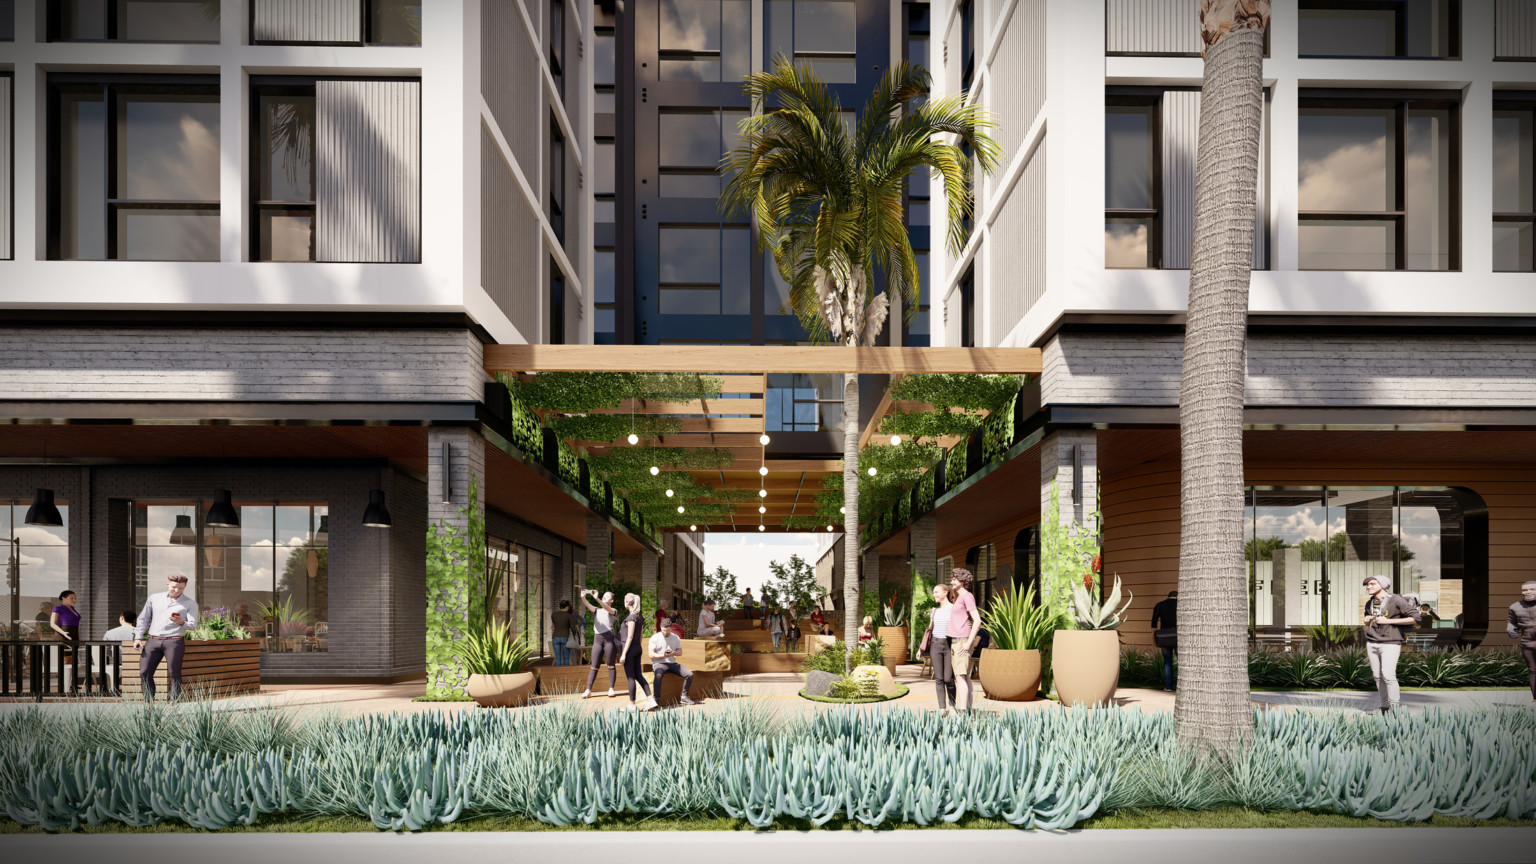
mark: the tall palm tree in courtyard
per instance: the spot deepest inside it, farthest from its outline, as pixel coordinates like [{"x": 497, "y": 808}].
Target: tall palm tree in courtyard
[
  {"x": 1212, "y": 708},
  {"x": 827, "y": 200}
]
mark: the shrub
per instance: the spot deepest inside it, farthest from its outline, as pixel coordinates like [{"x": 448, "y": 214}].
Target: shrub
[
  {"x": 493, "y": 650},
  {"x": 1016, "y": 621}
]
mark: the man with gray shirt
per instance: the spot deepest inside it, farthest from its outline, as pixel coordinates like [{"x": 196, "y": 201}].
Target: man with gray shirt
[
  {"x": 166, "y": 617},
  {"x": 1522, "y": 626},
  {"x": 1385, "y": 616}
]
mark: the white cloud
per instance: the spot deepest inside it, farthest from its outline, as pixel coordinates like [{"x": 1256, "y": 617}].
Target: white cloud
[{"x": 1353, "y": 177}]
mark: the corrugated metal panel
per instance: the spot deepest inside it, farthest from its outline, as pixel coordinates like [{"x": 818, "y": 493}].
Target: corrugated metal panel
[
  {"x": 509, "y": 241},
  {"x": 368, "y": 171},
  {"x": 1180, "y": 123},
  {"x": 1152, "y": 27},
  {"x": 308, "y": 21},
  {"x": 1018, "y": 75},
  {"x": 1018, "y": 243},
  {"x": 5, "y": 167},
  {"x": 954, "y": 305},
  {"x": 509, "y": 80},
  {"x": 952, "y": 67},
  {"x": 1514, "y": 30}
]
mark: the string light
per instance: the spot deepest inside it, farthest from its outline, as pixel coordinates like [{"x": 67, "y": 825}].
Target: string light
[
  {"x": 763, "y": 470},
  {"x": 762, "y": 493},
  {"x": 693, "y": 527},
  {"x": 872, "y": 471},
  {"x": 762, "y": 509},
  {"x": 895, "y": 440},
  {"x": 633, "y": 438},
  {"x": 763, "y": 439},
  {"x": 669, "y": 493},
  {"x": 829, "y": 528},
  {"x": 762, "y": 527},
  {"x": 655, "y": 470},
  {"x": 679, "y": 508},
  {"x": 843, "y": 510}
]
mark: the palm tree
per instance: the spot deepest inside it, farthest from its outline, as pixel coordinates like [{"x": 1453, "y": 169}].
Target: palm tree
[
  {"x": 1212, "y": 709},
  {"x": 827, "y": 199}
]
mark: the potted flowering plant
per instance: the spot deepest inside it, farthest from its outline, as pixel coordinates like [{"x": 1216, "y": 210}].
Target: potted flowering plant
[
  {"x": 1086, "y": 660},
  {"x": 893, "y": 633}
]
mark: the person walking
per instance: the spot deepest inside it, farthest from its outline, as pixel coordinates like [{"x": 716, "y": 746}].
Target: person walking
[
  {"x": 936, "y": 645},
  {"x": 1522, "y": 626},
  {"x": 964, "y": 622},
  {"x": 1165, "y": 634},
  {"x": 708, "y": 626},
  {"x": 1386, "y": 614},
  {"x": 665, "y": 648},
  {"x": 164, "y": 619},
  {"x": 630, "y": 638},
  {"x": 775, "y": 619},
  {"x": 605, "y": 643},
  {"x": 560, "y": 632}
]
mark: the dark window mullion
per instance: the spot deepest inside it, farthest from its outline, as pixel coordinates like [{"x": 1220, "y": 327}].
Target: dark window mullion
[
  {"x": 1401, "y": 232},
  {"x": 109, "y": 127}
]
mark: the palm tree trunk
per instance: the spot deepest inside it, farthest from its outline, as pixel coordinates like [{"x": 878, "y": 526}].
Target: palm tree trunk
[
  {"x": 851, "y": 605},
  {"x": 1212, "y": 708}
]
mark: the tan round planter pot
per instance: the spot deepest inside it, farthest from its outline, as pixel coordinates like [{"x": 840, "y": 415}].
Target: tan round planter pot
[
  {"x": 1086, "y": 664},
  {"x": 501, "y": 691},
  {"x": 895, "y": 641},
  {"x": 1010, "y": 675}
]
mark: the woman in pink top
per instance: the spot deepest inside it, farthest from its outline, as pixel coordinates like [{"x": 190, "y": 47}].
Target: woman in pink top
[{"x": 964, "y": 621}]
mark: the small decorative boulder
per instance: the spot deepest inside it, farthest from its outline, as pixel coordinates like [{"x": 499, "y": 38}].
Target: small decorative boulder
[
  {"x": 885, "y": 682},
  {"x": 819, "y": 683}
]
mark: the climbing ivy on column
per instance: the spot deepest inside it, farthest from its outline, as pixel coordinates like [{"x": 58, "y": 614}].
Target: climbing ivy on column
[{"x": 455, "y": 576}]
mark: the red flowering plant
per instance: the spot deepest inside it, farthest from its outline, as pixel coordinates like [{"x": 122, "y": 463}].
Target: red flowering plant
[
  {"x": 895, "y": 616},
  {"x": 1093, "y": 569}
]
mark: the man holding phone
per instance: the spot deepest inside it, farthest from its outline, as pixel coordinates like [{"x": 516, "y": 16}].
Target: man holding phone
[
  {"x": 665, "y": 648},
  {"x": 166, "y": 617}
]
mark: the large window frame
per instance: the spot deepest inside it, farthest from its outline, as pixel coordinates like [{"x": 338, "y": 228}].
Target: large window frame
[
  {"x": 827, "y": 62},
  {"x": 556, "y": 180},
  {"x": 264, "y": 92},
  {"x": 20, "y": 621},
  {"x": 1397, "y": 9},
  {"x": 718, "y": 286},
  {"x": 111, "y": 15},
  {"x": 1402, "y": 103},
  {"x": 201, "y": 88},
  {"x": 554, "y": 50},
  {"x": 1151, "y": 106},
  {"x": 1520, "y": 103},
  {"x": 730, "y": 61}
]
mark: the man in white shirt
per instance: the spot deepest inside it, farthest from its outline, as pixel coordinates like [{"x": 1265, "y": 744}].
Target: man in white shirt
[
  {"x": 707, "y": 625},
  {"x": 166, "y": 617},
  {"x": 124, "y": 629},
  {"x": 665, "y": 648}
]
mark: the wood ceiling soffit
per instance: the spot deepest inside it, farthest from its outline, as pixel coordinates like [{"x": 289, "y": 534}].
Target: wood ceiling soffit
[{"x": 760, "y": 359}]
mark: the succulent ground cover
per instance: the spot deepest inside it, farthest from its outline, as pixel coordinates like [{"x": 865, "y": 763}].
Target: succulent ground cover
[{"x": 556, "y": 765}]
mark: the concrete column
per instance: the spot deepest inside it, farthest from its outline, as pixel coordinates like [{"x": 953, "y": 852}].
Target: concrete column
[
  {"x": 1058, "y": 464},
  {"x": 650, "y": 584},
  {"x": 599, "y": 542},
  {"x": 925, "y": 536},
  {"x": 448, "y": 508}
]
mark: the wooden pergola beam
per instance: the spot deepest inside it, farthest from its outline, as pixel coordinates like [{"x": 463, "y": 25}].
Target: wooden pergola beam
[{"x": 760, "y": 359}]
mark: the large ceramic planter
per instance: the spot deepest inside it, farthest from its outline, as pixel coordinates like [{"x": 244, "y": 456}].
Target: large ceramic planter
[
  {"x": 1086, "y": 665},
  {"x": 1010, "y": 675},
  {"x": 501, "y": 691},
  {"x": 894, "y": 640}
]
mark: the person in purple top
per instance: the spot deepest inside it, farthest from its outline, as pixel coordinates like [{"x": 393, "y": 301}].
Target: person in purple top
[{"x": 65, "y": 621}]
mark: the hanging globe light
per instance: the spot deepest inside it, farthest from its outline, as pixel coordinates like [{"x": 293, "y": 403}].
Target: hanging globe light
[
  {"x": 843, "y": 510},
  {"x": 763, "y": 470},
  {"x": 763, "y": 439},
  {"x": 633, "y": 438},
  {"x": 762, "y": 509},
  {"x": 895, "y": 440},
  {"x": 655, "y": 470},
  {"x": 679, "y": 508},
  {"x": 762, "y": 493},
  {"x": 669, "y": 493},
  {"x": 693, "y": 527},
  {"x": 829, "y": 528},
  {"x": 762, "y": 527},
  {"x": 872, "y": 471}
]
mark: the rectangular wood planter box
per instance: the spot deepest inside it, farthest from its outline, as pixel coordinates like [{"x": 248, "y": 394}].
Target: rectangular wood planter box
[
  {"x": 755, "y": 663},
  {"x": 210, "y": 669},
  {"x": 570, "y": 680}
]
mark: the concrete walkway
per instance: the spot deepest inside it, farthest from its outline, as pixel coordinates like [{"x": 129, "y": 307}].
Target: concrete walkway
[{"x": 1193, "y": 846}]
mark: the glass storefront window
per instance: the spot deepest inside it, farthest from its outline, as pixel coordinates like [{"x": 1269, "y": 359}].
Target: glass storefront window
[
  {"x": 36, "y": 561},
  {"x": 270, "y": 575},
  {"x": 525, "y": 598}
]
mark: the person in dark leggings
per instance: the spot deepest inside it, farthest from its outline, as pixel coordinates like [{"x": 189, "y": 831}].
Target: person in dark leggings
[
  {"x": 936, "y": 643},
  {"x": 1522, "y": 626},
  {"x": 605, "y": 643},
  {"x": 630, "y": 639}
]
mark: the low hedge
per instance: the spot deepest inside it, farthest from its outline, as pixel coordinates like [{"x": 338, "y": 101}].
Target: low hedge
[
  {"x": 1347, "y": 668},
  {"x": 901, "y": 690}
]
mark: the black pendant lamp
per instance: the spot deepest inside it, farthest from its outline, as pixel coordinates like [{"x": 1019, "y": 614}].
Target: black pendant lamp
[
  {"x": 377, "y": 515},
  {"x": 323, "y": 533},
  {"x": 182, "y": 534},
  {"x": 223, "y": 513},
  {"x": 43, "y": 512}
]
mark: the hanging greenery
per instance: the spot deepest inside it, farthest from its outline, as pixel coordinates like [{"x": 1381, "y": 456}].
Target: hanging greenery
[
  {"x": 454, "y": 596},
  {"x": 580, "y": 392},
  {"x": 930, "y": 424},
  {"x": 968, "y": 392},
  {"x": 613, "y": 427},
  {"x": 623, "y": 461}
]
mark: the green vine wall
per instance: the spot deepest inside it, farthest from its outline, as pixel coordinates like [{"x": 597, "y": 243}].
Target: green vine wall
[
  {"x": 1066, "y": 552},
  {"x": 455, "y": 577}
]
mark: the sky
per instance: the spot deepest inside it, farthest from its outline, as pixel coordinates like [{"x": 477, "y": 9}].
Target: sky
[{"x": 747, "y": 555}]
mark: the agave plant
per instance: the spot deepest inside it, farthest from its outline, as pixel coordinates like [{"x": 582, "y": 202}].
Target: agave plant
[
  {"x": 1017, "y": 621},
  {"x": 895, "y": 615},
  {"x": 1090, "y": 614},
  {"x": 494, "y": 650}
]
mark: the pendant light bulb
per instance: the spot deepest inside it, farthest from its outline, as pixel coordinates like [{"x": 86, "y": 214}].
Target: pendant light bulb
[
  {"x": 762, "y": 493},
  {"x": 762, "y": 509},
  {"x": 762, "y": 470},
  {"x": 829, "y": 529},
  {"x": 763, "y": 439},
  {"x": 679, "y": 508},
  {"x": 633, "y": 438},
  {"x": 670, "y": 493},
  {"x": 655, "y": 470},
  {"x": 872, "y": 471},
  {"x": 762, "y": 527},
  {"x": 895, "y": 440},
  {"x": 693, "y": 527},
  {"x": 843, "y": 510}
]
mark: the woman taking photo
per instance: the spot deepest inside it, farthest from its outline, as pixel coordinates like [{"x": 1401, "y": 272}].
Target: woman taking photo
[
  {"x": 936, "y": 646},
  {"x": 605, "y": 644},
  {"x": 964, "y": 621},
  {"x": 630, "y": 638}
]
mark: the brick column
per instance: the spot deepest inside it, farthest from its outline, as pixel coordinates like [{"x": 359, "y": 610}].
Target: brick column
[
  {"x": 448, "y": 507},
  {"x": 1056, "y": 466},
  {"x": 869, "y": 564},
  {"x": 925, "y": 536},
  {"x": 650, "y": 584},
  {"x": 599, "y": 542}
]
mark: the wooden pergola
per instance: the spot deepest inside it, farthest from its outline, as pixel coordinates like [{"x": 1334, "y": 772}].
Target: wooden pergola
[{"x": 735, "y": 421}]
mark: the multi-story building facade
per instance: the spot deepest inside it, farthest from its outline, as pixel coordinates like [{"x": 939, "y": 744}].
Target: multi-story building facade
[
  {"x": 250, "y": 254},
  {"x": 1390, "y": 357}
]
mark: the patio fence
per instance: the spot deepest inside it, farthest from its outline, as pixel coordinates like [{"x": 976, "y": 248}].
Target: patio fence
[{"x": 52, "y": 668}]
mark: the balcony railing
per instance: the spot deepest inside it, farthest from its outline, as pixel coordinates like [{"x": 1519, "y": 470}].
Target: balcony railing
[{"x": 47, "y": 668}]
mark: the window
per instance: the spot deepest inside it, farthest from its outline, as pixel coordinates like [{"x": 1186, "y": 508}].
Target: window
[
  {"x": 821, "y": 32},
  {"x": 705, "y": 40},
  {"x": 604, "y": 282},
  {"x": 556, "y": 304},
  {"x": 1424, "y": 29},
  {"x": 967, "y": 44},
  {"x": 1375, "y": 184},
  {"x": 603, "y": 203},
  {"x": 1309, "y": 549},
  {"x": 36, "y": 563},
  {"x": 692, "y": 144},
  {"x": 134, "y": 169},
  {"x": 603, "y": 65},
  {"x": 917, "y": 331},
  {"x": 7, "y": 20},
  {"x": 283, "y": 168},
  {"x": 271, "y": 574},
  {"x": 705, "y": 270},
  {"x": 1131, "y": 237},
  {"x": 968, "y": 309},
  {"x": 917, "y": 34},
  {"x": 555, "y": 180},
  {"x": 1514, "y": 186},
  {"x": 525, "y": 599},
  {"x": 393, "y": 22},
  {"x": 555, "y": 48},
  {"x": 803, "y": 403},
  {"x": 133, "y": 20}
]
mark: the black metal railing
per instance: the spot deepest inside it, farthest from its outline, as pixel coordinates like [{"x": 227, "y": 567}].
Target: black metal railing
[{"x": 57, "y": 668}]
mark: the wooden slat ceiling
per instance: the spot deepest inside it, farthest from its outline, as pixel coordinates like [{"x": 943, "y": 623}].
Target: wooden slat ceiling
[{"x": 760, "y": 359}]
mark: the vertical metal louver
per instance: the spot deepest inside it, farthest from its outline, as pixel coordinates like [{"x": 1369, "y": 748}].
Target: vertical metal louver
[
  {"x": 307, "y": 21},
  {"x": 368, "y": 171},
  {"x": 5, "y": 167},
  {"x": 1180, "y": 123},
  {"x": 1514, "y": 30},
  {"x": 1169, "y": 27}
]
